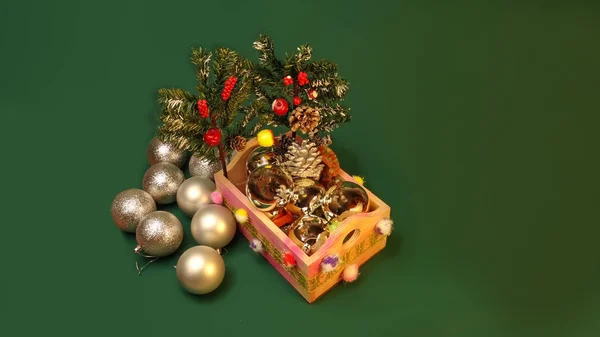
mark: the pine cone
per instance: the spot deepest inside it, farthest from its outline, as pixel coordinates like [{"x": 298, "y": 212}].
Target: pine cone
[
  {"x": 238, "y": 143},
  {"x": 305, "y": 119},
  {"x": 303, "y": 160},
  {"x": 284, "y": 143}
]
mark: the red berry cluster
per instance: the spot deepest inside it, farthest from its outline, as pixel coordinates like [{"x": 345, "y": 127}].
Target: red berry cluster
[
  {"x": 229, "y": 84},
  {"x": 302, "y": 78},
  {"x": 297, "y": 100},
  {"x": 212, "y": 137},
  {"x": 288, "y": 80},
  {"x": 203, "y": 108}
]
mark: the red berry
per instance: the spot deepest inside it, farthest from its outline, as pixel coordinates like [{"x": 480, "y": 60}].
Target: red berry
[
  {"x": 297, "y": 100},
  {"x": 203, "y": 108},
  {"x": 212, "y": 137},
  {"x": 228, "y": 87},
  {"x": 302, "y": 78},
  {"x": 280, "y": 107},
  {"x": 288, "y": 80}
]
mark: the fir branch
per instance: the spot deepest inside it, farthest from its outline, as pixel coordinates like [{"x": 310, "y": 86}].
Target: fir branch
[
  {"x": 333, "y": 116},
  {"x": 266, "y": 48},
  {"x": 303, "y": 55},
  {"x": 201, "y": 59}
]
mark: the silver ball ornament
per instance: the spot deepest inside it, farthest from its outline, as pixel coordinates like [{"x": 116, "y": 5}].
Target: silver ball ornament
[
  {"x": 194, "y": 193},
  {"x": 200, "y": 270},
  {"x": 214, "y": 226},
  {"x": 159, "y": 234},
  {"x": 162, "y": 152},
  {"x": 161, "y": 181},
  {"x": 129, "y": 207},
  {"x": 201, "y": 167}
]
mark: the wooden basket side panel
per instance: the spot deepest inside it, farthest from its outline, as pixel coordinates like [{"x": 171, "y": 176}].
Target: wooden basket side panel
[
  {"x": 327, "y": 281},
  {"x": 360, "y": 228},
  {"x": 288, "y": 276}
]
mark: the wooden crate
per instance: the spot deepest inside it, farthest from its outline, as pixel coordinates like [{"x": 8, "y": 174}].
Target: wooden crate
[{"x": 307, "y": 276}]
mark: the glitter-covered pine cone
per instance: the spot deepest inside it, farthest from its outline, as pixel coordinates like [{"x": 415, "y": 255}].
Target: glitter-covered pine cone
[
  {"x": 303, "y": 160},
  {"x": 305, "y": 119}
]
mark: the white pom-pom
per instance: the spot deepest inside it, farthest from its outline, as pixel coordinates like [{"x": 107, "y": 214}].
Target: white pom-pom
[
  {"x": 350, "y": 273},
  {"x": 256, "y": 245},
  {"x": 384, "y": 227}
]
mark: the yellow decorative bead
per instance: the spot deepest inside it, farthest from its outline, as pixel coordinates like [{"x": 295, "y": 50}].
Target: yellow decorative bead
[
  {"x": 265, "y": 138},
  {"x": 359, "y": 180}
]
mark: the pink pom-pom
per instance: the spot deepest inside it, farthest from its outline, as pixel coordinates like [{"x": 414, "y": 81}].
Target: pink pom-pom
[
  {"x": 350, "y": 273},
  {"x": 217, "y": 197}
]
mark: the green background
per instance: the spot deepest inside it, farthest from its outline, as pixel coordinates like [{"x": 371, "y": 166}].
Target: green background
[{"x": 476, "y": 122}]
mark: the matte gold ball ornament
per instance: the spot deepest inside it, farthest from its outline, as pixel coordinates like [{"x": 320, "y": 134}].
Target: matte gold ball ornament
[
  {"x": 162, "y": 152},
  {"x": 200, "y": 270},
  {"x": 129, "y": 207},
  {"x": 158, "y": 234},
  {"x": 195, "y": 193},
  {"x": 161, "y": 181},
  {"x": 214, "y": 226}
]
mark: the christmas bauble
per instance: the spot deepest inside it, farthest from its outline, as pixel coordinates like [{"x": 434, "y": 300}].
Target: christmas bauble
[
  {"x": 259, "y": 157},
  {"x": 345, "y": 196},
  {"x": 309, "y": 233},
  {"x": 161, "y": 152},
  {"x": 214, "y": 226},
  {"x": 161, "y": 181},
  {"x": 200, "y": 270},
  {"x": 202, "y": 167},
  {"x": 159, "y": 234},
  {"x": 280, "y": 106},
  {"x": 307, "y": 198},
  {"x": 194, "y": 193},
  {"x": 129, "y": 207},
  {"x": 212, "y": 137},
  {"x": 266, "y": 184}
]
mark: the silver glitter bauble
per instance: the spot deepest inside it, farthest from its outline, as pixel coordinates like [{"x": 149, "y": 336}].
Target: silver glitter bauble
[
  {"x": 158, "y": 234},
  {"x": 200, "y": 270},
  {"x": 201, "y": 167},
  {"x": 162, "y": 152},
  {"x": 343, "y": 197},
  {"x": 129, "y": 207},
  {"x": 259, "y": 157},
  {"x": 194, "y": 193},
  {"x": 214, "y": 226},
  {"x": 161, "y": 181},
  {"x": 267, "y": 185}
]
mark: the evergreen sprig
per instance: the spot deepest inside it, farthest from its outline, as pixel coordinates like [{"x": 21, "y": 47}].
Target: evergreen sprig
[
  {"x": 181, "y": 122},
  {"x": 323, "y": 75}
]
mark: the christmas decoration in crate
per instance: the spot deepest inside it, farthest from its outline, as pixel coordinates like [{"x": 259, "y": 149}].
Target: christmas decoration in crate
[{"x": 314, "y": 223}]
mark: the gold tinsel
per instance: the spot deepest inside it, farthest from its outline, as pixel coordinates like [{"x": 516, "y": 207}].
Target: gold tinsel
[
  {"x": 305, "y": 119},
  {"x": 238, "y": 143}
]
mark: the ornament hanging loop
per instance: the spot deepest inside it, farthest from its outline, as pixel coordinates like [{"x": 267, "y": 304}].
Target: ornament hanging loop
[{"x": 138, "y": 250}]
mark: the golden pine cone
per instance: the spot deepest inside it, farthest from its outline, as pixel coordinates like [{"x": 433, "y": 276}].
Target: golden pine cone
[
  {"x": 305, "y": 119},
  {"x": 238, "y": 143}
]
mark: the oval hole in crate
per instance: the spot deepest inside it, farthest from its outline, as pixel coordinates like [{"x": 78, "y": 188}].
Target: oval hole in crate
[{"x": 351, "y": 238}]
